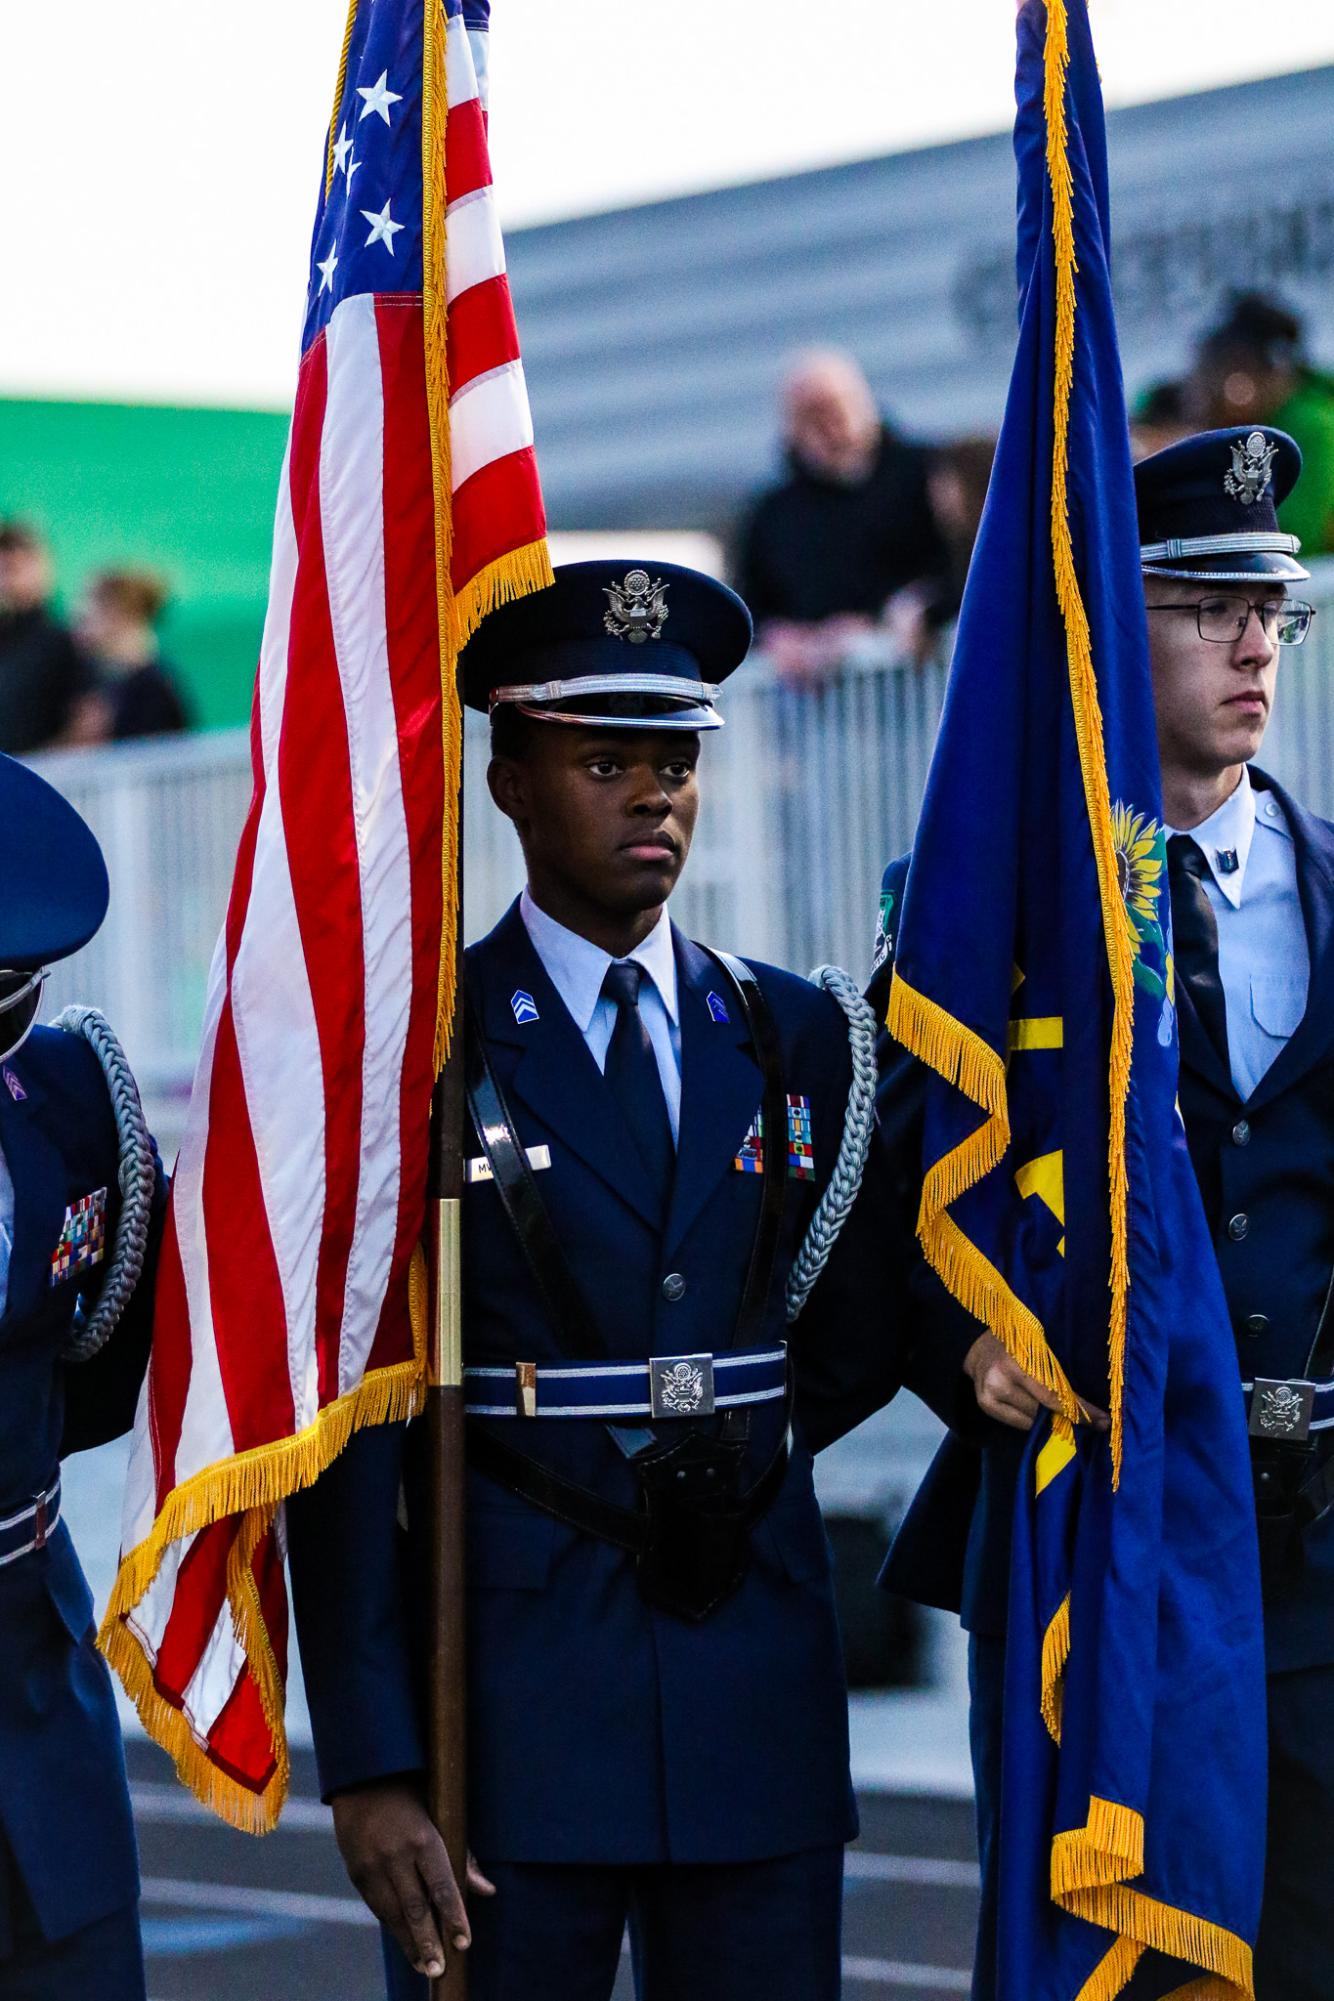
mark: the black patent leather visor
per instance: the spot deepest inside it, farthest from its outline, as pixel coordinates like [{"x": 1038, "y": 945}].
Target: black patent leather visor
[{"x": 20, "y": 998}]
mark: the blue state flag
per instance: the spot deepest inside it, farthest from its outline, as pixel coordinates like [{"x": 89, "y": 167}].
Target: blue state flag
[{"x": 1034, "y": 977}]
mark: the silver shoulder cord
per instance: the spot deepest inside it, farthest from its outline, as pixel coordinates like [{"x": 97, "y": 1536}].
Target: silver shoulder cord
[
  {"x": 136, "y": 1176},
  {"x": 859, "y": 1123}
]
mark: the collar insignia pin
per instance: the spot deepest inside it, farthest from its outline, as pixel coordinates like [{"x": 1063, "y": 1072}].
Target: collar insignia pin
[
  {"x": 1247, "y": 478},
  {"x": 524, "y": 1006},
  {"x": 637, "y": 609},
  {"x": 718, "y": 1008},
  {"x": 1227, "y": 861},
  {"x": 16, "y": 1090}
]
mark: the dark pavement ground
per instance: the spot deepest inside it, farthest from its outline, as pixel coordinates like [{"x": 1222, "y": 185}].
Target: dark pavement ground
[{"x": 229, "y": 1918}]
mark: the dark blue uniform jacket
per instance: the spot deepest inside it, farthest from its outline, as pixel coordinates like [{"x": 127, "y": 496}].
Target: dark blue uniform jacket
[
  {"x": 64, "y": 1808},
  {"x": 602, "y": 1730},
  {"x": 1270, "y": 1161}
]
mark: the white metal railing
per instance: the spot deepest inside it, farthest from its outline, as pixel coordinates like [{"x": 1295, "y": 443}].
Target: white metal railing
[{"x": 806, "y": 796}]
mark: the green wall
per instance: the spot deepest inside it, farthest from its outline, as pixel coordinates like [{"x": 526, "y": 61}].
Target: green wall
[{"x": 190, "y": 492}]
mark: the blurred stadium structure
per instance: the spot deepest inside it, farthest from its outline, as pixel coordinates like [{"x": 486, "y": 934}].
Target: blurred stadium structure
[{"x": 654, "y": 336}]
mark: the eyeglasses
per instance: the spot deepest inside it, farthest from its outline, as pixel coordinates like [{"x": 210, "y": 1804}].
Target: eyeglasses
[
  {"x": 20, "y": 998},
  {"x": 1224, "y": 619}
]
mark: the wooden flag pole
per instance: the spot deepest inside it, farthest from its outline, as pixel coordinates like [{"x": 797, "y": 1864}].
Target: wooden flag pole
[{"x": 446, "y": 1447}]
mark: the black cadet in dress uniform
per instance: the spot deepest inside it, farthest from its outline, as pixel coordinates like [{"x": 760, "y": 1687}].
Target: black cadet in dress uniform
[
  {"x": 657, "y": 1713},
  {"x": 1252, "y": 890}
]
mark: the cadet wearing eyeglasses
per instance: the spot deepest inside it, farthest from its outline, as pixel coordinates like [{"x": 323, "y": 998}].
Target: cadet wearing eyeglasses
[{"x": 1252, "y": 891}]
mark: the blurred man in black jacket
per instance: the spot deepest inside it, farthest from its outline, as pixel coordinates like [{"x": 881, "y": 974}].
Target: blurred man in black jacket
[
  {"x": 820, "y": 554},
  {"x": 41, "y": 672}
]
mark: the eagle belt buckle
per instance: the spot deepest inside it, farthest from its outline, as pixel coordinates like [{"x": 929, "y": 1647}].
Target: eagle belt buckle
[
  {"x": 1282, "y": 1410},
  {"x": 681, "y": 1385}
]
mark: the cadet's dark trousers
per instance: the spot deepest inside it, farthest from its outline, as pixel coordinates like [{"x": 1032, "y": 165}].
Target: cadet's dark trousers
[
  {"x": 1294, "y": 1958},
  {"x": 103, "y": 1959},
  {"x": 740, "y": 1931}
]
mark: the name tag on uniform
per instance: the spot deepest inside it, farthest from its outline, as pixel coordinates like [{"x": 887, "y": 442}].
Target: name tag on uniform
[
  {"x": 480, "y": 1169},
  {"x": 83, "y": 1239},
  {"x": 800, "y": 1145}
]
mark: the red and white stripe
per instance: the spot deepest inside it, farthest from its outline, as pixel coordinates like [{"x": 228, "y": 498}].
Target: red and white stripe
[
  {"x": 300, "y": 1186},
  {"x": 493, "y": 470},
  {"x": 300, "y": 1191}
]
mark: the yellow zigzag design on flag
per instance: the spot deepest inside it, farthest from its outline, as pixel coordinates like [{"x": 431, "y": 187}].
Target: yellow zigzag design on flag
[
  {"x": 1089, "y": 1865},
  {"x": 1045, "y": 1178}
]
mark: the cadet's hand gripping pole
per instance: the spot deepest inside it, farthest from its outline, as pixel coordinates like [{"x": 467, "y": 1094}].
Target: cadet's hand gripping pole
[{"x": 445, "y": 1436}]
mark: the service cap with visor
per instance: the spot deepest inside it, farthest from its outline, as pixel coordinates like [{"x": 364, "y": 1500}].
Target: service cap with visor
[
  {"x": 1208, "y": 508},
  {"x": 54, "y": 893},
  {"x": 611, "y": 645}
]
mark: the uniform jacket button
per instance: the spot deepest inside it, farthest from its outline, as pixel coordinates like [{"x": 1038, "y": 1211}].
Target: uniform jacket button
[
  {"x": 673, "y": 1287},
  {"x": 1238, "y": 1227},
  {"x": 1257, "y": 1324},
  {"x": 1241, "y": 1133}
]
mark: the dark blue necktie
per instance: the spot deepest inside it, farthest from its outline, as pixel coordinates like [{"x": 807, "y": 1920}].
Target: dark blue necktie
[
  {"x": 632, "y": 1072},
  {"x": 1195, "y": 937}
]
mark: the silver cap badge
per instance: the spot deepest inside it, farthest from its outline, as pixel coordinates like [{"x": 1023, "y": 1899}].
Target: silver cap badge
[
  {"x": 1247, "y": 478},
  {"x": 636, "y": 609}
]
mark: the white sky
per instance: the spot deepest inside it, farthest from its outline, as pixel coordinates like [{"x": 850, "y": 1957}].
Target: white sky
[{"x": 161, "y": 156}]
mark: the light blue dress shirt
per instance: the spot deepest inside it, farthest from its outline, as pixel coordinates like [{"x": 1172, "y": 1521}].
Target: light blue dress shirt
[
  {"x": 1263, "y": 959},
  {"x": 576, "y": 968}
]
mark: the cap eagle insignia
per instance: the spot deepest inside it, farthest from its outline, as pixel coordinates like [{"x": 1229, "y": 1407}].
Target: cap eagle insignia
[
  {"x": 637, "y": 608},
  {"x": 1247, "y": 479}
]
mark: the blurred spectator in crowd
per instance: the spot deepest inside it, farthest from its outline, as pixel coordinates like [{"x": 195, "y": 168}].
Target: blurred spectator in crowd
[
  {"x": 820, "y": 554},
  {"x": 1158, "y": 419},
  {"x": 958, "y": 475},
  {"x": 1252, "y": 369},
  {"x": 41, "y": 674},
  {"x": 134, "y": 692}
]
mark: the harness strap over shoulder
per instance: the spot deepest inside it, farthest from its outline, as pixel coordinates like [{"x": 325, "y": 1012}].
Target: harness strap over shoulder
[
  {"x": 530, "y": 1218},
  {"x": 522, "y": 1200}
]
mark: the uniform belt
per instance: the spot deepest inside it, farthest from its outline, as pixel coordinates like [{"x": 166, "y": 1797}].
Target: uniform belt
[
  {"x": 31, "y": 1528},
  {"x": 1289, "y": 1409},
  {"x": 665, "y": 1386}
]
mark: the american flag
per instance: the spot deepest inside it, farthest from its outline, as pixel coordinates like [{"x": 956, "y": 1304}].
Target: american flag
[{"x": 289, "y": 1306}]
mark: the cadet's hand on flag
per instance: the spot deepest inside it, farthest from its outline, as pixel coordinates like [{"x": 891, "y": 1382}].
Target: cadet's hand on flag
[
  {"x": 1005, "y": 1392},
  {"x": 397, "y": 1861}
]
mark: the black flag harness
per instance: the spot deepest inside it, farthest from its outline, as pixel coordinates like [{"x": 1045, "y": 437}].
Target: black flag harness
[
  {"x": 1291, "y": 1424},
  {"x": 690, "y": 1533}
]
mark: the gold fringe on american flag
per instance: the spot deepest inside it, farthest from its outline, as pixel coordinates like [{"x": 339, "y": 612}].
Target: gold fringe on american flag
[{"x": 290, "y": 1302}]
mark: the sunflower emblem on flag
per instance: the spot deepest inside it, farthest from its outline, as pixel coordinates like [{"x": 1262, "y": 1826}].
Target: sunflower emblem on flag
[{"x": 1141, "y": 858}]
